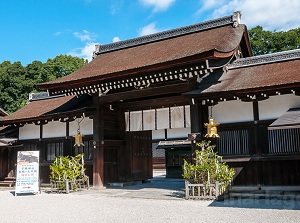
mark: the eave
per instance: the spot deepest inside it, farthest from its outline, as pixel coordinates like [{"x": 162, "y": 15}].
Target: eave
[
  {"x": 43, "y": 119},
  {"x": 246, "y": 95}
]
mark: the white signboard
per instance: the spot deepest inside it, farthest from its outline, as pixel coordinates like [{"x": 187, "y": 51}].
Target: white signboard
[{"x": 27, "y": 179}]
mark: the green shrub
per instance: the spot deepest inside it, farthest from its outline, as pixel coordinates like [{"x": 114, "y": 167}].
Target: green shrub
[
  {"x": 207, "y": 167},
  {"x": 68, "y": 168}
]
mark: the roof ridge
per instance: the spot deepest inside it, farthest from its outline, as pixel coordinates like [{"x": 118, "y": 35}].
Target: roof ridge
[
  {"x": 2, "y": 111},
  {"x": 233, "y": 19},
  {"x": 42, "y": 96},
  {"x": 265, "y": 59}
]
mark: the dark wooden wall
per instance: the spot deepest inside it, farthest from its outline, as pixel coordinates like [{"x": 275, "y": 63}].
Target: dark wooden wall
[
  {"x": 4, "y": 163},
  {"x": 249, "y": 148}
]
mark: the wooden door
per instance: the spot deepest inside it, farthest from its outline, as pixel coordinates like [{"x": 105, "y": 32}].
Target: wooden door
[
  {"x": 111, "y": 159},
  {"x": 139, "y": 145}
]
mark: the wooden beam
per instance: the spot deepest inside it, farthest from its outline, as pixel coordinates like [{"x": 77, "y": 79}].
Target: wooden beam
[
  {"x": 154, "y": 103},
  {"x": 148, "y": 92}
]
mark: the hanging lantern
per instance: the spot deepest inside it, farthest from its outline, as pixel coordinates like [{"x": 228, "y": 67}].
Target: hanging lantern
[
  {"x": 212, "y": 131},
  {"x": 78, "y": 139}
]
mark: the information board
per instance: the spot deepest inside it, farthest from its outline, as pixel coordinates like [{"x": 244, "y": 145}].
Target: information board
[{"x": 27, "y": 179}]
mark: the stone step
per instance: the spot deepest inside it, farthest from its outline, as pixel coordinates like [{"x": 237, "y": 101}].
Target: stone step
[
  {"x": 263, "y": 196},
  {"x": 7, "y": 183},
  {"x": 10, "y": 179},
  {"x": 124, "y": 184}
]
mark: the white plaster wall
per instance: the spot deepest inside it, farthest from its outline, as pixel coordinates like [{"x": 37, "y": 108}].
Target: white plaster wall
[
  {"x": 178, "y": 133},
  {"x": 30, "y": 131},
  {"x": 54, "y": 129},
  {"x": 158, "y": 134},
  {"x": 86, "y": 127},
  {"x": 232, "y": 111},
  {"x": 171, "y": 133},
  {"x": 275, "y": 106}
]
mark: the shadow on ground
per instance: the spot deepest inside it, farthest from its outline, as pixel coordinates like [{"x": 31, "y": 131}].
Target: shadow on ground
[
  {"x": 158, "y": 187},
  {"x": 258, "y": 204}
]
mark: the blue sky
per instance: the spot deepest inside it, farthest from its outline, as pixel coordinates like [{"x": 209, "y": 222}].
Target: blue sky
[{"x": 41, "y": 29}]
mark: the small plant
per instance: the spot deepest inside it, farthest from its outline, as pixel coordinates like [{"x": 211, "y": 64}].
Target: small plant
[
  {"x": 69, "y": 168},
  {"x": 207, "y": 167}
]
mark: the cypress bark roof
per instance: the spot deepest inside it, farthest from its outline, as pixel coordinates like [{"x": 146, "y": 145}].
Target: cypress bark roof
[{"x": 213, "y": 39}]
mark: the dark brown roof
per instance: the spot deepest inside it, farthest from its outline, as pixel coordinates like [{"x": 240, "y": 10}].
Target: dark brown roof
[
  {"x": 267, "y": 72},
  {"x": 211, "y": 43},
  {"x": 44, "y": 109},
  {"x": 290, "y": 119}
]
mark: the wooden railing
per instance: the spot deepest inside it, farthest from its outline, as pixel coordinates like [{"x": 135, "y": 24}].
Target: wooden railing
[
  {"x": 203, "y": 191},
  {"x": 67, "y": 186},
  {"x": 234, "y": 142},
  {"x": 284, "y": 141}
]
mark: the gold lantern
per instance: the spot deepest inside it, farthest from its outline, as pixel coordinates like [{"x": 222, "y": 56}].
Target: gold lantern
[
  {"x": 212, "y": 131},
  {"x": 78, "y": 139}
]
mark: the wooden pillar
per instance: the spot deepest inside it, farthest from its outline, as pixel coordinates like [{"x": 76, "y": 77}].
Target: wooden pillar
[
  {"x": 98, "y": 137},
  {"x": 199, "y": 115},
  {"x": 257, "y": 147},
  {"x": 195, "y": 116}
]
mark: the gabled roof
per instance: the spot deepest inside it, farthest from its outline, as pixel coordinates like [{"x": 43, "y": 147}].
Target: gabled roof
[
  {"x": 2, "y": 112},
  {"x": 271, "y": 72},
  {"x": 213, "y": 39},
  {"x": 47, "y": 109}
]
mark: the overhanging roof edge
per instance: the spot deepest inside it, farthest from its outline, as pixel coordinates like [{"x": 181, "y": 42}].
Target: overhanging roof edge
[{"x": 232, "y": 19}]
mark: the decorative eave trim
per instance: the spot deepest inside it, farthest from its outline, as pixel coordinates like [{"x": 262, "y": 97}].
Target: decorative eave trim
[
  {"x": 232, "y": 19},
  {"x": 265, "y": 59},
  {"x": 44, "y": 119},
  {"x": 42, "y": 96},
  {"x": 141, "y": 82},
  {"x": 250, "y": 95}
]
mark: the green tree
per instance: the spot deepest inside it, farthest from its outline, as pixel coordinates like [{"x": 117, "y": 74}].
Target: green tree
[
  {"x": 63, "y": 65},
  {"x": 16, "y": 81},
  {"x": 265, "y": 42}
]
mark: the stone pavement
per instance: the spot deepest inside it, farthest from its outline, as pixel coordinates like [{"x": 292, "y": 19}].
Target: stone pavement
[
  {"x": 160, "y": 200},
  {"x": 159, "y": 187}
]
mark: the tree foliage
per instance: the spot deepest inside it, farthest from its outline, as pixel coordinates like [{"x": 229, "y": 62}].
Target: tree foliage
[
  {"x": 17, "y": 81},
  {"x": 207, "y": 167},
  {"x": 69, "y": 168},
  {"x": 265, "y": 42}
]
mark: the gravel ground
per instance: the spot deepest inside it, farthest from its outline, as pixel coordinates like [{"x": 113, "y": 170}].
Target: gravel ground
[{"x": 149, "y": 202}]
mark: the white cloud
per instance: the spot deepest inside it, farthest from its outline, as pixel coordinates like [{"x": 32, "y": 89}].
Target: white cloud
[
  {"x": 57, "y": 33},
  {"x": 116, "y": 6},
  {"x": 270, "y": 14},
  {"x": 84, "y": 35},
  {"x": 149, "y": 29},
  {"x": 159, "y": 5},
  {"x": 86, "y": 52},
  {"x": 116, "y": 39}
]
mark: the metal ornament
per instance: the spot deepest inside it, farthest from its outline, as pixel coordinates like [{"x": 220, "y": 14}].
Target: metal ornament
[
  {"x": 212, "y": 131},
  {"x": 78, "y": 139}
]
